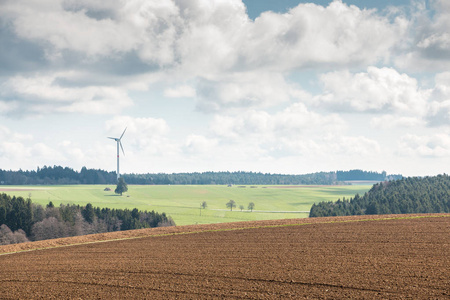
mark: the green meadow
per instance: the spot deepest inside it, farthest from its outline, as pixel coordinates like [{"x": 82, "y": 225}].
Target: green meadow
[{"x": 182, "y": 202}]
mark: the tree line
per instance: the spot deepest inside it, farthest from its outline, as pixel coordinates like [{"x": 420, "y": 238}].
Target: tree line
[
  {"x": 238, "y": 178},
  {"x": 403, "y": 196},
  {"x": 21, "y": 220},
  {"x": 57, "y": 175},
  {"x": 365, "y": 175},
  {"x": 48, "y": 175}
]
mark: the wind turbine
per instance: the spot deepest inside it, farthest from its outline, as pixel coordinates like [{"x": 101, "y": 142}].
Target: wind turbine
[{"x": 119, "y": 142}]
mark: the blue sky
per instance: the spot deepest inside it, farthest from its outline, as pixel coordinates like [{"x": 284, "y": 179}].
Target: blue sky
[
  {"x": 226, "y": 85},
  {"x": 256, "y": 7}
]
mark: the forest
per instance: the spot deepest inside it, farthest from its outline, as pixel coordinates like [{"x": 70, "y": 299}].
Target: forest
[
  {"x": 365, "y": 175},
  {"x": 48, "y": 175},
  {"x": 21, "y": 220},
  {"x": 403, "y": 196},
  {"x": 57, "y": 175},
  {"x": 242, "y": 178}
]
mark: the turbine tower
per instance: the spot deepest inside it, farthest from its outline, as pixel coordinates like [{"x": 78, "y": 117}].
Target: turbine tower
[{"x": 119, "y": 142}]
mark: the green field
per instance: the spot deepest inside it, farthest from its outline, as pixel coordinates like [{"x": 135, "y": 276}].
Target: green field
[{"x": 182, "y": 202}]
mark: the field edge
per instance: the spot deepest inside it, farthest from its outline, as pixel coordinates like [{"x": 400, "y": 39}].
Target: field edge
[{"x": 193, "y": 229}]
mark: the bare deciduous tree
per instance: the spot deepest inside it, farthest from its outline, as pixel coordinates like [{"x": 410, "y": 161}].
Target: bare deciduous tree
[
  {"x": 8, "y": 237},
  {"x": 231, "y": 204}
]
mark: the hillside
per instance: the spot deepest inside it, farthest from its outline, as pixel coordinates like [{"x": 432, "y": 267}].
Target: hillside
[
  {"x": 330, "y": 258},
  {"x": 404, "y": 196}
]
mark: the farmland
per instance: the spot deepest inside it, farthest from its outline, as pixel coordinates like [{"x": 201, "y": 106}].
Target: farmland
[
  {"x": 182, "y": 202},
  {"x": 360, "y": 257}
]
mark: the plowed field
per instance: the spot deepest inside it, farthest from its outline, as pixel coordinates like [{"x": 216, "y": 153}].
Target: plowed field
[{"x": 325, "y": 259}]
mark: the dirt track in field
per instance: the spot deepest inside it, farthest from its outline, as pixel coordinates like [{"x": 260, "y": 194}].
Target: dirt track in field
[{"x": 326, "y": 259}]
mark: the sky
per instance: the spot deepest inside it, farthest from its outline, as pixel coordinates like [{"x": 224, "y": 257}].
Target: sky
[{"x": 284, "y": 86}]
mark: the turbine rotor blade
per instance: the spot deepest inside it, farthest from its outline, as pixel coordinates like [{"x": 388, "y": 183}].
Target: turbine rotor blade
[
  {"x": 112, "y": 138},
  {"x": 122, "y": 148},
  {"x": 123, "y": 133}
]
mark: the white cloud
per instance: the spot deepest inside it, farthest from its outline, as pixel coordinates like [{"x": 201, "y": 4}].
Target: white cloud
[
  {"x": 297, "y": 147},
  {"x": 439, "y": 104},
  {"x": 377, "y": 90},
  {"x": 441, "y": 91},
  {"x": 72, "y": 151},
  {"x": 398, "y": 98},
  {"x": 310, "y": 34},
  {"x": 207, "y": 35},
  {"x": 8, "y": 134},
  {"x": 248, "y": 123},
  {"x": 72, "y": 30},
  {"x": 436, "y": 145},
  {"x": 429, "y": 48},
  {"x": 293, "y": 121},
  {"x": 350, "y": 146},
  {"x": 144, "y": 135},
  {"x": 393, "y": 121},
  {"x": 254, "y": 79},
  {"x": 180, "y": 91},
  {"x": 137, "y": 127},
  {"x": 197, "y": 145},
  {"x": 294, "y": 131},
  {"x": 440, "y": 42},
  {"x": 245, "y": 90},
  {"x": 235, "y": 61},
  {"x": 439, "y": 113},
  {"x": 296, "y": 119},
  {"x": 13, "y": 151},
  {"x": 7, "y": 107},
  {"x": 147, "y": 27},
  {"x": 16, "y": 146},
  {"x": 46, "y": 153},
  {"x": 13, "y": 145},
  {"x": 43, "y": 94}
]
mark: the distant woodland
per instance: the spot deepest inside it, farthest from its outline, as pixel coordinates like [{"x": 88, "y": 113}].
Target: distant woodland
[
  {"x": 243, "y": 178},
  {"x": 57, "y": 175},
  {"x": 354, "y": 175},
  {"x": 404, "y": 196},
  {"x": 21, "y": 220},
  {"x": 63, "y": 175}
]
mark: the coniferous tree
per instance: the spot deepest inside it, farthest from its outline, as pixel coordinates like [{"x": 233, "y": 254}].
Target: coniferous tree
[
  {"x": 88, "y": 213},
  {"x": 407, "y": 195}
]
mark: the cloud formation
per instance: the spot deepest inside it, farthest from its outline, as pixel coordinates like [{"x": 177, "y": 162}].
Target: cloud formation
[
  {"x": 43, "y": 95},
  {"x": 429, "y": 46},
  {"x": 437, "y": 145},
  {"x": 235, "y": 61},
  {"x": 200, "y": 81},
  {"x": 378, "y": 89}
]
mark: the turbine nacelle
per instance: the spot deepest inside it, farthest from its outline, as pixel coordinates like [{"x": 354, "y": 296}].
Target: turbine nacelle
[{"x": 119, "y": 140}]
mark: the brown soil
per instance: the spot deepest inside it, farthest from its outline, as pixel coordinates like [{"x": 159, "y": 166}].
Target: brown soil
[{"x": 328, "y": 258}]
